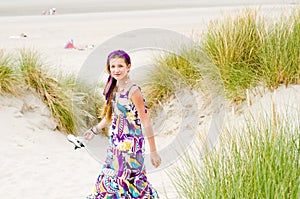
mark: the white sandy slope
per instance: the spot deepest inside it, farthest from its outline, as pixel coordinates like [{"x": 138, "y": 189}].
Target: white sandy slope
[
  {"x": 37, "y": 161},
  {"x": 264, "y": 105}
]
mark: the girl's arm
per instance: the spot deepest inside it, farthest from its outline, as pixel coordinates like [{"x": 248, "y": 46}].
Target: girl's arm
[
  {"x": 102, "y": 124},
  {"x": 138, "y": 100}
]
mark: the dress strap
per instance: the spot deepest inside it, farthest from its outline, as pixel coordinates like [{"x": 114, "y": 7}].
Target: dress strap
[
  {"x": 128, "y": 93},
  {"x": 130, "y": 88}
]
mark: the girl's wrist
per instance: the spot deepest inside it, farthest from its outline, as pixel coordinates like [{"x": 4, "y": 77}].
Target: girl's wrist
[
  {"x": 97, "y": 128},
  {"x": 94, "y": 130}
]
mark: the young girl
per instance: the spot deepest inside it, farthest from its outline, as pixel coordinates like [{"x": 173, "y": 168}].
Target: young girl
[{"x": 123, "y": 175}]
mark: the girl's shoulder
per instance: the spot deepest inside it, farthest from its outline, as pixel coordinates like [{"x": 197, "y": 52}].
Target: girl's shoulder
[{"x": 132, "y": 89}]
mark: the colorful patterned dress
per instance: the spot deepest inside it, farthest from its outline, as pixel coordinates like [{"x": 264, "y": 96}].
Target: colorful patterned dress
[{"x": 123, "y": 175}]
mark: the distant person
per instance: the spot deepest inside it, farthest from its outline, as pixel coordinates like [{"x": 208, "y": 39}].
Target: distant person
[
  {"x": 52, "y": 11},
  {"x": 124, "y": 174}
]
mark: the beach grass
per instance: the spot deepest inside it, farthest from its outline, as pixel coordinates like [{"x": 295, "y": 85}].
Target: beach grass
[
  {"x": 249, "y": 51},
  {"x": 49, "y": 89},
  {"x": 74, "y": 104},
  {"x": 171, "y": 73},
  {"x": 86, "y": 98},
  {"x": 279, "y": 52},
  {"x": 9, "y": 80},
  {"x": 259, "y": 160},
  {"x": 243, "y": 51},
  {"x": 232, "y": 44}
]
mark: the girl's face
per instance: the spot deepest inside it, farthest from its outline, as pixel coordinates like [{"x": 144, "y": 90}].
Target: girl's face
[{"x": 118, "y": 68}]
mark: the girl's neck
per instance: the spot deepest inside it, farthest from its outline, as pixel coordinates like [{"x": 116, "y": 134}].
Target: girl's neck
[{"x": 123, "y": 83}]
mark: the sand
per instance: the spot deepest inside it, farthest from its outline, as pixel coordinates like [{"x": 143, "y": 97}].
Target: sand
[{"x": 37, "y": 161}]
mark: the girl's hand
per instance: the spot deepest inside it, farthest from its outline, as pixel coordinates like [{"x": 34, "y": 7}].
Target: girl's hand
[
  {"x": 88, "y": 135},
  {"x": 155, "y": 159}
]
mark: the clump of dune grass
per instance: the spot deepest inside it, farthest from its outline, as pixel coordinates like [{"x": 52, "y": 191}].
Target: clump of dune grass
[
  {"x": 74, "y": 104},
  {"x": 9, "y": 80},
  {"x": 260, "y": 160},
  {"x": 232, "y": 45},
  {"x": 49, "y": 89},
  {"x": 243, "y": 51},
  {"x": 189, "y": 73},
  {"x": 86, "y": 98},
  {"x": 162, "y": 84},
  {"x": 279, "y": 52},
  {"x": 248, "y": 51},
  {"x": 171, "y": 73}
]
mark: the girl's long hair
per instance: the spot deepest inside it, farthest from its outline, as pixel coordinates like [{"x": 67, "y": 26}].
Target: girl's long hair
[{"x": 111, "y": 83}]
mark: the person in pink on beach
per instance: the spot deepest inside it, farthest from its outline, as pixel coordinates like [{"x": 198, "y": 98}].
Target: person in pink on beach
[{"x": 124, "y": 174}]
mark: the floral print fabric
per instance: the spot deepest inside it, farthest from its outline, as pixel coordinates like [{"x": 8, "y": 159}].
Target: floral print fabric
[{"x": 123, "y": 175}]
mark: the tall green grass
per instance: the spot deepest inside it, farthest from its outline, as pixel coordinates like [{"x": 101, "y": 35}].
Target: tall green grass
[
  {"x": 9, "y": 80},
  {"x": 49, "y": 89},
  {"x": 279, "y": 52},
  {"x": 232, "y": 44},
  {"x": 170, "y": 74},
  {"x": 244, "y": 50},
  {"x": 227, "y": 52},
  {"x": 261, "y": 160},
  {"x": 74, "y": 104},
  {"x": 249, "y": 50},
  {"x": 86, "y": 98}
]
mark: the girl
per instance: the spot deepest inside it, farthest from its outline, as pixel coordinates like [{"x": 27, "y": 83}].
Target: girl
[{"x": 123, "y": 175}]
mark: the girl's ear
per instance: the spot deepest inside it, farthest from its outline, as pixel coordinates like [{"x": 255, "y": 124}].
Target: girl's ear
[{"x": 128, "y": 66}]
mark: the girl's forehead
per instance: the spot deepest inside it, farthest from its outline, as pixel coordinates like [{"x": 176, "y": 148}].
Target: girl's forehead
[{"x": 116, "y": 60}]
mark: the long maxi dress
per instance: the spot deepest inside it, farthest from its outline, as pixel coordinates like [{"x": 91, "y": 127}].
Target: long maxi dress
[{"x": 124, "y": 174}]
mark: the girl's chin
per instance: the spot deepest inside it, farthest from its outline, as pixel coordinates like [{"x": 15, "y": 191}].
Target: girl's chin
[{"x": 118, "y": 77}]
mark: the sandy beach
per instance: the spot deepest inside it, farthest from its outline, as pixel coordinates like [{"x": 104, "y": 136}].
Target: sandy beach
[{"x": 37, "y": 161}]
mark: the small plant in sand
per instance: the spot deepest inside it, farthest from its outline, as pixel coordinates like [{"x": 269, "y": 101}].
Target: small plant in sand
[
  {"x": 9, "y": 80},
  {"x": 49, "y": 89},
  {"x": 260, "y": 160}
]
